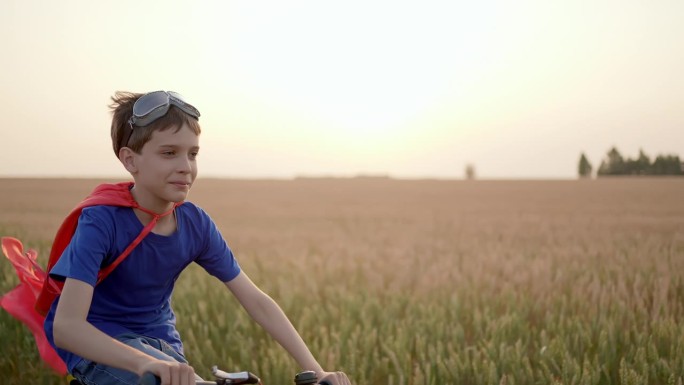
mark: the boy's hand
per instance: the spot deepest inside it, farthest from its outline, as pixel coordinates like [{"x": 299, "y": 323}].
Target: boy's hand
[
  {"x": 171, "y": 372},
  {"x": 333, "y": 378}
]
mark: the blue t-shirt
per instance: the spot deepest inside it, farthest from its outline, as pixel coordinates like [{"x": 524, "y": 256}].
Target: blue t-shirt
[{"x": 136, "y": 296}]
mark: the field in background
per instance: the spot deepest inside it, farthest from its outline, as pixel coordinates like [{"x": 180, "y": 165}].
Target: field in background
[{"x": 419, "y": 282}]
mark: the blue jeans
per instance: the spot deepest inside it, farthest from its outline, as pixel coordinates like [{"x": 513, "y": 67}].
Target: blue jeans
[{"x": 92, "y": 373}]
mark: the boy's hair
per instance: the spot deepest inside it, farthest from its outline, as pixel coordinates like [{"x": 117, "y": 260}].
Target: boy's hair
[{"x": 122, "y": 110}]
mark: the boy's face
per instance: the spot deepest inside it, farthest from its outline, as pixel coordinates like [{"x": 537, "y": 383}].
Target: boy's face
[{"x": 166, "y": 167}]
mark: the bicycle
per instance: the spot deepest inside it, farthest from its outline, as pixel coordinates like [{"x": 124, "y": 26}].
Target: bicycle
[{"x": 238, "y": 378}]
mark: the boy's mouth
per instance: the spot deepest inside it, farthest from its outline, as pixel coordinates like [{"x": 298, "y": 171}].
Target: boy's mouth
[{"x": 181, "y": 184}]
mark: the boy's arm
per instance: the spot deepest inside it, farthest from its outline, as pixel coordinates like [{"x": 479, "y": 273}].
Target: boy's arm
[
  {"x": 266, "y": 312},
  {"x": 72, "y": 332}
]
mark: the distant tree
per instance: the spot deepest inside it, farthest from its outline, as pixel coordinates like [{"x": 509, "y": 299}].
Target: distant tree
[
  {"x": 639, "y": 166},
  {"x": 667, "y": 165},
  {"x": 470, "y": 172},
  {"x": 584, "y": 167},
  {"x": 613, "y": 164},
  {"x": 643, "y": 163}
]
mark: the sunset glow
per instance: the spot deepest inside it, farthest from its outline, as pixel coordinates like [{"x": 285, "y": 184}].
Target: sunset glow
[{"x": 291, "y": 88}]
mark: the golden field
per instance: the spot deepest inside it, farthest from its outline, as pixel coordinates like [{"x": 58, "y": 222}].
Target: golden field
[{"x": 418, "y": 281}]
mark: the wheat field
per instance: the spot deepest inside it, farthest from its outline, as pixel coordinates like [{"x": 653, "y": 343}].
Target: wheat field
[{"x": 418, "y": 281}]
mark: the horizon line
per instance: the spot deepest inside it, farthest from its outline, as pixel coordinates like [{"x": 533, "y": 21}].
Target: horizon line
[{"x": 360, "y": 176}]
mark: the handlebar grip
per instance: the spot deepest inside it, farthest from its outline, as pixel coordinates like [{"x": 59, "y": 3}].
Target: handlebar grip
[
  {"x": 308, "y": 377},
  {"x": 149, "y": 379}
]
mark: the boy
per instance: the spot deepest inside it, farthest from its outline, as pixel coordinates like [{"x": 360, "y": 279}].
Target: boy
[{"x": 113, "y": 331}]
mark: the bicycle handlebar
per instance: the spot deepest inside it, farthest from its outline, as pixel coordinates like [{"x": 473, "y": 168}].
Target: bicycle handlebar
[
  {"x": 223, "y": 378},
  {"x": 150, "y": 379}
]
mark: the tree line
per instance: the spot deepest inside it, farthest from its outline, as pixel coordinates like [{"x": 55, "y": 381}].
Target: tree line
[{"x": 615, "y": 164}]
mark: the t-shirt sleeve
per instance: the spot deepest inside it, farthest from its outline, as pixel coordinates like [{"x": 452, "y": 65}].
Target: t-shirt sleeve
[
  {"x": 217, "y": 258},
  {"x": 83, "y": 256}
]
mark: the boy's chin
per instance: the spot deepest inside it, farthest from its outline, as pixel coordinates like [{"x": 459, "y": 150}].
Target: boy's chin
[
  {"x": 177, "y": 194},
  {"x": 177, "y": 197}
]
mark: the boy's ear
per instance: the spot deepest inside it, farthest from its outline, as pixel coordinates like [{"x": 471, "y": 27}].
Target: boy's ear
[{"x": 127, "y": 158}]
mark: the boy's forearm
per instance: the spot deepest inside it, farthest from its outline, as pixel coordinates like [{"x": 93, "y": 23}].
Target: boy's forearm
[
  {"x": 268, "y": 314},
  {"x": 83, "y": 339},
  {"x": 271, "y": 317}
]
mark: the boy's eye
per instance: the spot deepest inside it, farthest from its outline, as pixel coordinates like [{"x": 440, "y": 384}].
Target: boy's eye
[{"x": 170, "y": 153}]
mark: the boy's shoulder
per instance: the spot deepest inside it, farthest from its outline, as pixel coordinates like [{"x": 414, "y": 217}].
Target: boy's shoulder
[
  {"x": 103, "y": 211},
  {"x": 188, "y": 205},
  {"x": 193, "y": 211}
]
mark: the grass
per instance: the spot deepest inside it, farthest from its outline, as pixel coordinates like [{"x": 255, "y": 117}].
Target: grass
[{"x": 419, "y": 282}]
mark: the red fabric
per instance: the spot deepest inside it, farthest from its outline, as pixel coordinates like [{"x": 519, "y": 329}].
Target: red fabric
[
  {"x": 19, "y": 301},
  {"x": 30, "y": 301},
  {"x": 118, "y": 194}
]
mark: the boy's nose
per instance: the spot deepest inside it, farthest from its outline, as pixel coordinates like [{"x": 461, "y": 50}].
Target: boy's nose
[{"x": 185, "y": 165}]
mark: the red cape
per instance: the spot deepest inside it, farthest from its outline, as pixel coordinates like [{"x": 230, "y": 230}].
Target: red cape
[{"x": 30, "y": 301}]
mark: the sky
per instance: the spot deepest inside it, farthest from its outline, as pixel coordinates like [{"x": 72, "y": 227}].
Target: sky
[{"x": 407, "y": 89}]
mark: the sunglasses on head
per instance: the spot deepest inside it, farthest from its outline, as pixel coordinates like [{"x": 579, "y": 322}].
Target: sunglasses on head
[{"x": 152, "y": 106}]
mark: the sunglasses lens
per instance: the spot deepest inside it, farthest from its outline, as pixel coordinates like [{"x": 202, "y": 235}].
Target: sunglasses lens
[
  {"x": 150, "y": 102},
  {"x": 177, "y": 96},
  {"x": 178, "y": 101}
]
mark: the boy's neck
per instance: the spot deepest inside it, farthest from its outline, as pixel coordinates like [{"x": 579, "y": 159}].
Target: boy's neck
[{"x": 159, "y": 207}]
